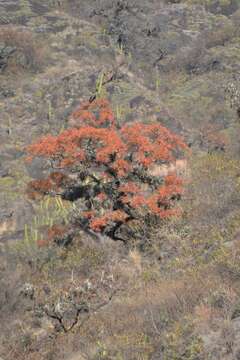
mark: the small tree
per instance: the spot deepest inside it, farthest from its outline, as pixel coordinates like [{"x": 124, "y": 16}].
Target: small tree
[{"x": 107, "y": 168}]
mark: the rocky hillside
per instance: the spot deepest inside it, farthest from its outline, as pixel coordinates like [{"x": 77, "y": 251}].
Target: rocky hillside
[{"x": 176, "y": 297}]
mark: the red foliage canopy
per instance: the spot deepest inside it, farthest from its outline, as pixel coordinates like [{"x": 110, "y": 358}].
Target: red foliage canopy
[{"x": 117, "y": 161}]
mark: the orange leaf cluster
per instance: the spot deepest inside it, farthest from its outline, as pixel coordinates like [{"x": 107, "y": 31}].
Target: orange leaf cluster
[
  {"x": 45, "y": 186},
  {"x": 98, "y": 223},
  {"x": 36, "y": 188},
  {"x": 86, "y": 114}
]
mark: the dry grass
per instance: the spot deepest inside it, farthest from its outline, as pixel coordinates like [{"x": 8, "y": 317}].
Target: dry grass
[
  {"x": 138, "y": 319},
  {"x": 150, "y": 314}
]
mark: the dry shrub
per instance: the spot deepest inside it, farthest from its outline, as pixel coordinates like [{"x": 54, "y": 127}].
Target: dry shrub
[
  {"x": 227, "y": 262},
  {"x": 174, "y": 298},
  {"x": 134, "y": 325},
  {"x": 213, "y": 193},
  {"x": 29, "y": 53},
  {"x": 212, "y": 138},
  {"x": 204, "y": 314},
  {"x": 139, "y": 319},
  {"x": 136, "y": 259},
  {"x": 220, "y": 36},
  {"x": 218, "y": 307}
]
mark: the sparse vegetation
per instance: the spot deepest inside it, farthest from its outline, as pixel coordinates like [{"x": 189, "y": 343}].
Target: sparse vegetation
[{"x": 169, "y": 290}]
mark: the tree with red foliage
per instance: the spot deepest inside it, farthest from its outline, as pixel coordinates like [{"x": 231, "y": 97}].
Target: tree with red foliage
[{"x": 107, "y": 167}]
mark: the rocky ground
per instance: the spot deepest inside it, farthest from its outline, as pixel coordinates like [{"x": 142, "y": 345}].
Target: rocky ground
[{"x": 177, "y": 63}]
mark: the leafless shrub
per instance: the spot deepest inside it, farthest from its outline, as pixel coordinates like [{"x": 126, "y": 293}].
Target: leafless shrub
[
  {"x": 220, "y": 36},
  {"x": 27, "y": 52}
]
